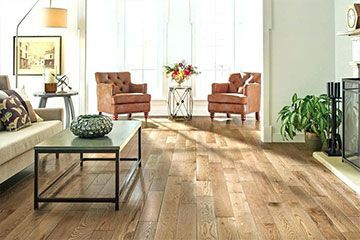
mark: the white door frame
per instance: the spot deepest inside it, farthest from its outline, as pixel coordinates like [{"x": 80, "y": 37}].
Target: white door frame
[{"x": 266, "y": 128}]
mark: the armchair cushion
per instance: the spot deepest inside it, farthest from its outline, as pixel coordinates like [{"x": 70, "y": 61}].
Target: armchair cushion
[
  {"x": 124, "y": 98},
  {"x": 232, "y": 98}
]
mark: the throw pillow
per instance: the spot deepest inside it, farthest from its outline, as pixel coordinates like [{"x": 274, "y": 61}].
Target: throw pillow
[
  {"x": 246, "y": 83},
  {"x": 13, "y": 114},
  {"x": 20, "y": 93},
  {"x": 2, "y": 96}
]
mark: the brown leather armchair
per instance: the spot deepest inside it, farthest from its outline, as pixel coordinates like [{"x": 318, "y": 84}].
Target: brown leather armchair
[
  {"x": 117, "y": 95},
  {"x": 240, "y": 96}
]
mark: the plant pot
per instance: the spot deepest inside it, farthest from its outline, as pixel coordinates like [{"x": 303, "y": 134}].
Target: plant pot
[{"x": 313, "y": 142}]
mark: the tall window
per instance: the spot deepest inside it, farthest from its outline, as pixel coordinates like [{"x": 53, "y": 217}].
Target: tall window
[
  {"x": 143, "y": 36},
  {"x": 214, "y": 51},
  {"x": 140, "y": 36}
]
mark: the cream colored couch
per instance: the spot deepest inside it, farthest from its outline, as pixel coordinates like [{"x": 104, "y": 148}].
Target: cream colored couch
[{"x": 16, "y": 148}]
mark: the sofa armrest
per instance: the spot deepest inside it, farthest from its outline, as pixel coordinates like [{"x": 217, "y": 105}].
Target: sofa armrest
[
  {"x": 253, "y": 92},
  {"x": 50, "y": 113},
  {"x": 138, "y": 88},
  {"x": 220, "y": 87}
]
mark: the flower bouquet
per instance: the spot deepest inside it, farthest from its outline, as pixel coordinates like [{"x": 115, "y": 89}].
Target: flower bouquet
[{"x": 179, "y": 72}]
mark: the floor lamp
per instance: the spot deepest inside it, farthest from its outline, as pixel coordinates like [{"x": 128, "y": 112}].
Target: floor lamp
[{"x": 51, "y": 17}]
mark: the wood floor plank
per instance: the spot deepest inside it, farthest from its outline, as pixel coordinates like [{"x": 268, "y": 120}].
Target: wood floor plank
[
  {"x": 222, "y": 201},
  {"x": 199, "y": 180},
  {"x": 152, "y": 206},
  {"x": 186, "y": 223},
  {"x": 145, "y": 231},
  {"x": 166, "y": 228},
  {"x": 206, "y": 220},
  {"x": 202, "y": 168},
  {"x": 203, "y": 188},
  {"x": 101, "y": 235},
  {"x": 227, "y": 228}
]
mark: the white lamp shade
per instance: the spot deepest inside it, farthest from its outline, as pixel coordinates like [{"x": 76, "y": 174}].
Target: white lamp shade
[{"x": 54, "y": 17}]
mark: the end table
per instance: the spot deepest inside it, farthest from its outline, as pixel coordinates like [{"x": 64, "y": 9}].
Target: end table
[
  {"x": 69, "y": 106},
  {"x": 180, "y": 102}
]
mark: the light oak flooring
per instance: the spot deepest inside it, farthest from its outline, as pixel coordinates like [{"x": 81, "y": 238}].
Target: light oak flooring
[{"x": 198, "y": 181}]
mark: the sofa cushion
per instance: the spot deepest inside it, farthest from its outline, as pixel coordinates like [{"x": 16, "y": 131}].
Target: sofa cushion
[
  {"x": 234, "y": 98},
  {"x": 13, "y": 144},
  {"x": 123, "y": 98},
  {"x": 13, "y": 114}
]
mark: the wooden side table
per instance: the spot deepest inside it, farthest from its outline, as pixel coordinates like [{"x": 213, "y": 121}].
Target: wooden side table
[{"x": 69, "y": 106}]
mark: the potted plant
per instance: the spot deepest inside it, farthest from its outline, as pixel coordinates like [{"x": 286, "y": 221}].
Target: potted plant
[{"x": 310, "y": 115}]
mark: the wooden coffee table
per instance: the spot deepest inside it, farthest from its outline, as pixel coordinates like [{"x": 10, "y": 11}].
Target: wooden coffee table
[{"x": 66, "y": 142}]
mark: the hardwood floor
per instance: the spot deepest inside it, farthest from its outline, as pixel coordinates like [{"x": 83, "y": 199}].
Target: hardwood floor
[{"x": 198, "y": 181}]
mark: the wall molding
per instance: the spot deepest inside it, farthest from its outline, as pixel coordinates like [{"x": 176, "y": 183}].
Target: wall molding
[
  {"x": 266, "y": 128},
  {"x": 277, "y": 138}
]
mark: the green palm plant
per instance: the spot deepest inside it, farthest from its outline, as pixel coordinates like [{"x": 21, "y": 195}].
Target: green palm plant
[{"x": 310, "y": 114}]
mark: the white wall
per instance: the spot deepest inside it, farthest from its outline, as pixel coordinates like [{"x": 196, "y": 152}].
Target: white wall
[
  {"x": 299, "y": 56},
  {"x": 342, "y": 44},
  {"x": 11, "y": 11}
]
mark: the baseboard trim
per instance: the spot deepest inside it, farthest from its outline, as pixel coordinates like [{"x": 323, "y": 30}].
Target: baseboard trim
[{"x": 277, "y": 138}]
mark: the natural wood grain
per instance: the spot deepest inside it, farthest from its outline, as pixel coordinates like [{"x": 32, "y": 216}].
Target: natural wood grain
[
  {"x": 186, "y": 226},
  {"x": 222, "y": 202},
  {"x": 152, "y": 206},
  {"x": 227, "y": 228},
  {"x": 145, "y": 231},
  {"x": 199, "y": 180},
  {"x": 206, "y": 220}
]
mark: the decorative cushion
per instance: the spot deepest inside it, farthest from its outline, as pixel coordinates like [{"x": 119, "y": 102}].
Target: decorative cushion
[
  {"x": 13, "y": 114},
  {"x": 20, "y": 93},
  {"x": 232, "y": 98},
  {"x": 247, "y": 82},
  {"x": 236, "y": 81}
]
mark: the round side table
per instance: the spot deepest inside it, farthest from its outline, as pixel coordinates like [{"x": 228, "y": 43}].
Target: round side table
[
  {"x": 180, "y": 102},
  {"x": 69, "y": 106}
]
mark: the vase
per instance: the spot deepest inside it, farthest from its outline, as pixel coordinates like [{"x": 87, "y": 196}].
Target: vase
[
  {"x": 91, "y": 126},
  {"x": 179, "y": 82}
]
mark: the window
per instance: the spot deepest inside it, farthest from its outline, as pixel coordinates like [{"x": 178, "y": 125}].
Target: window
[
  {"x": 214, "y": 49},
  {"x": 142, "y": 38}
]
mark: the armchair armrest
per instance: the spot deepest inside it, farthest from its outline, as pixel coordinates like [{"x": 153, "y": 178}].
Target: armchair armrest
[
  {"x": 253, "y": 92},
  {"x": 105, "y": 91},
  {"x": 105, "y": 88},
  {"x": 138, "y": 88},
  {"x": 49, "y": 114},
  {"x": 220, "y": 87}
]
